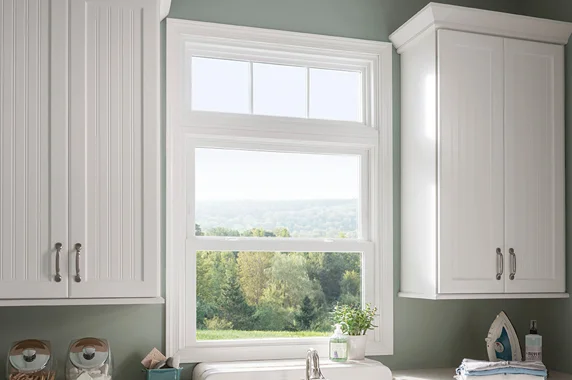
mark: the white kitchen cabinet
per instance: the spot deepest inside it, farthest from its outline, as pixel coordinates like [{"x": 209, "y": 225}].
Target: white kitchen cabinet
[
  {"x": 482, "y": 155},
  {"x": 534, "y": 162},
  {"x": 115, "y": 130},
  {"x": 79, "y": 151},
  {"x": 33, "y": 159}
]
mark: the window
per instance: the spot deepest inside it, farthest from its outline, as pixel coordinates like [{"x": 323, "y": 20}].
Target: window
[
  {"x": 279, "y": 190},
  {"x": 235, "y": 86}
]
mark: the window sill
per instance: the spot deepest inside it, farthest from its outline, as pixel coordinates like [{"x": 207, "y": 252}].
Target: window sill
[{"x": 265, "y": 350}]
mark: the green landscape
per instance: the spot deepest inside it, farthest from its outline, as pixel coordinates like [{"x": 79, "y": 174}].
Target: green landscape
[{"x": 245, "y": 295}]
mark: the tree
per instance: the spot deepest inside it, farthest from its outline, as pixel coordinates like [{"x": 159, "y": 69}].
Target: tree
[
  {"x": 253, "y": 274},
  {"x": 335, "y": 264},
  {"x": 258, "y": 232},
  {"x": 198, "y": 231},
  {"x": 222, "y": 231},
  {"x": 234, "y": 307},
  {"x": 281, "y": 232},
  {"x": 306, "y": 315},
  {"x": 351, "y": 283},
  {"x": 289, "y": 274}
]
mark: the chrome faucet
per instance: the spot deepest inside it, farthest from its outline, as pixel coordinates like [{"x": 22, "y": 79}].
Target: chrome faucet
[{"x": 313, "y": 370}]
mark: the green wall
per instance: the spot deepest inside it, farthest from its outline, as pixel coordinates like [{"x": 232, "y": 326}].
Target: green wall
[{"x": 427, "y": 333}]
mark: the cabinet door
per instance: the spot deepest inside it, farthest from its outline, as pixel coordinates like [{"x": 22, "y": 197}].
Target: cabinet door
[
  {"x": 470, "y": 88},
  {"x": 115, "y": 148},
  {"x": 33, "y": 165},
  {"x": 534, "y": 159}
]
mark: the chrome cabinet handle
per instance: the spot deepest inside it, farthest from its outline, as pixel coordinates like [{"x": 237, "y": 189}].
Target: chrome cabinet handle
[
  {"x": 501, "y": 269},
  {"x": 77, "y": 253},
  {"x": 513, "y": 263},
  {"x": 58, "y": 276}
]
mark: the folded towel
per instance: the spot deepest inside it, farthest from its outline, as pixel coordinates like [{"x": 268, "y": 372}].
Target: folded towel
[
  {"x": 500, "y": 377},
  {"x": 470, "y": 367}
]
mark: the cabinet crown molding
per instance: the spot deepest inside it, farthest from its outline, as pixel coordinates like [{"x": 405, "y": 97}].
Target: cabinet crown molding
[
  {"x": 164, "y": 8},
  {"x": 443, "y": 16}
]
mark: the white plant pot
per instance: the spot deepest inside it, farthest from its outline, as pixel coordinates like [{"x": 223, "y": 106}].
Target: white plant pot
[{"x": 356, "y": 346}]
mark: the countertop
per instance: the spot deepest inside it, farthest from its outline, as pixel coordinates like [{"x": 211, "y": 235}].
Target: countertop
[{"x": 448, "y": 373}]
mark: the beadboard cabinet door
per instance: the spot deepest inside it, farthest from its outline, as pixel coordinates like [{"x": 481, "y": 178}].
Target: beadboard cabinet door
[
  {"x": 33, "y": 138},
  {"x": 114, "y": 149},
  {"x": 471, "y": 240},
  {"x": 534, "y": 166}
]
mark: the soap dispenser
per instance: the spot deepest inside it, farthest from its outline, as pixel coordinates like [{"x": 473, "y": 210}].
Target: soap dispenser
[
  {"x": 339, "y": 345},
  {"x": 533, "y": 344}
]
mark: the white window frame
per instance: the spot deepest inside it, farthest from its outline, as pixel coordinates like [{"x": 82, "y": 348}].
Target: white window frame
[{"x": 186, "y": 129}]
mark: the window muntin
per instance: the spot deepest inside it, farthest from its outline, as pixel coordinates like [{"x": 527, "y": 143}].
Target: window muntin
[
  {"x": 262, "y": 88},
  {"x": 256, "y": 295},
  {"x": 277, "y": 194}
]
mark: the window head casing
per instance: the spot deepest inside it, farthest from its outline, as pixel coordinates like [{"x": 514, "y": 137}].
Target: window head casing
[{"x": 312, "y": 101}]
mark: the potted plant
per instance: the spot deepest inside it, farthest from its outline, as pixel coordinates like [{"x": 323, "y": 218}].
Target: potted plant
[{"x": 355, "y": 322}]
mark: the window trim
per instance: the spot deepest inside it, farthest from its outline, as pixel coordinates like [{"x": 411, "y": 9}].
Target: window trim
[{"x": 377, "y": 56}]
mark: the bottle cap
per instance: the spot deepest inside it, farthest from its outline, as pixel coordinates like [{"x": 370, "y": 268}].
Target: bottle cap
[
  {"x": 338, "y": 329},
  {"x": 533, "y": 327}
]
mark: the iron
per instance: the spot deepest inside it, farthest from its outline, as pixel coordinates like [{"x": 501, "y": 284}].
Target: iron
[{"x": 502, "y": 340}]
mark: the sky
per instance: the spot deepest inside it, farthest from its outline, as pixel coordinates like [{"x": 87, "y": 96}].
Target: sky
[{"x": 223, "y": 174}]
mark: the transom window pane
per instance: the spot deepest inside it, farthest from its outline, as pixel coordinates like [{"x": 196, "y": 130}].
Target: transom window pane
[
  {"x": 280, "y": 90},
  {"x": 249, "y": 295},
  {"x": 276, "y": 90},
  {"x": 335, "y": 95},
  {"x": 276, "y": 194},
  {"x": 220, "y": 85}
]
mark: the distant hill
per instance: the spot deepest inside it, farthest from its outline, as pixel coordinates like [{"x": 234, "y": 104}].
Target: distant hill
[{"x": 302, "y": 218}]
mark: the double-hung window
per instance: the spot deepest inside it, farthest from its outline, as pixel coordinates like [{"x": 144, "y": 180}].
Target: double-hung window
[{"x": 279, "y": 190}]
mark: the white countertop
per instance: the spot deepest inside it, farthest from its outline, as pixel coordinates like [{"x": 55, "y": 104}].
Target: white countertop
[{"x": 448, "y": 373}]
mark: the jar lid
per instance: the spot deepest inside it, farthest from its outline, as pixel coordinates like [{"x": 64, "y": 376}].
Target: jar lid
[
  {"x": 89, "y": 353},
  {"x": 30, "y": 355}
]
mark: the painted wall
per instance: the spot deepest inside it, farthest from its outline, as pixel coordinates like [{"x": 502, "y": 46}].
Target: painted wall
[{"x": 427, "y": 333}]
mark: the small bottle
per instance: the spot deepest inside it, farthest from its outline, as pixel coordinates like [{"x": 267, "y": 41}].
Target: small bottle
[
  {"x": 339, "y": 345},
  {"x": 533, "y": 344}
]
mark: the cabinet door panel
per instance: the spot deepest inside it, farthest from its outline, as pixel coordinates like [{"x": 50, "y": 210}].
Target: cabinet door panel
[
  {"x": 534, "y": 158},
  {"x": 470, "y": 72},
  {"x": 33, "y": 182},
  {"x": 115, "y": 136}
]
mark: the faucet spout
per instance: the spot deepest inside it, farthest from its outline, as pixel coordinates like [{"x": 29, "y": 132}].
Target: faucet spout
[{"x": 313, "y": 370}]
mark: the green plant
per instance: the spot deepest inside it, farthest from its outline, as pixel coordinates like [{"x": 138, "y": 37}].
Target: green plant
[{"x": 355, "y": 320}]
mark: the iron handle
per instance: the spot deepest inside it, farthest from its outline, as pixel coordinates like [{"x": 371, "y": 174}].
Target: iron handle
[
  {"x": 501, "y": 269},
  {"x": 513, "y": 263},
  {"x": 58, "y": 276},
  {"x": 77, "y": 277}
]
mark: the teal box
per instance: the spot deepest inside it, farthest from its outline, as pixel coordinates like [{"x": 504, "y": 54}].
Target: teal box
[{"x": 164, "y": 374}]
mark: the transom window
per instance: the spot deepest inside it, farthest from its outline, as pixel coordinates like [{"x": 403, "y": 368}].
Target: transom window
[
  {"x": 247, "y": 87},
  {"x": 279, "y": 184}
]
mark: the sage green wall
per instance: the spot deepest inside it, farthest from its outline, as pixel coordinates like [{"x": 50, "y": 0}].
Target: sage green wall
[{"x": 427, "y": 333}]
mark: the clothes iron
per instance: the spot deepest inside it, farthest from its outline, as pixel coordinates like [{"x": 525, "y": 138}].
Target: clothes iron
[{"x": 502, "y": 341}]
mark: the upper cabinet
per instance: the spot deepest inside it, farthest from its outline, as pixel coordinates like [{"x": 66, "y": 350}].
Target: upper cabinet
[
  {"x": 33, "y": 158},
  {"x": 114, "y": 144},
  {"x": 482, "y": 154},
  {"x": 80, "y": 151}
]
